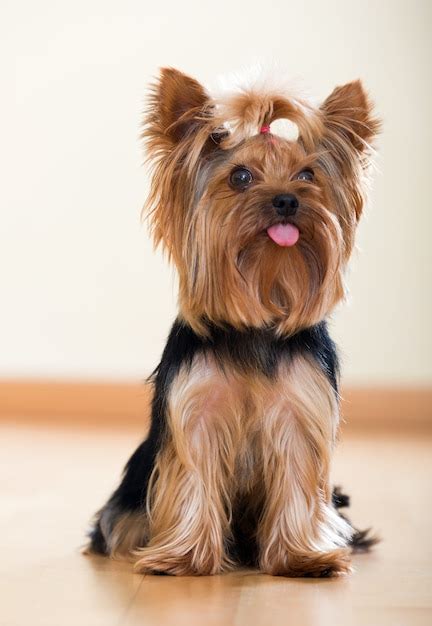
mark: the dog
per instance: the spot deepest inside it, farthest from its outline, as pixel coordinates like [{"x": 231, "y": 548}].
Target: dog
[{"x": 255, "y": 196}]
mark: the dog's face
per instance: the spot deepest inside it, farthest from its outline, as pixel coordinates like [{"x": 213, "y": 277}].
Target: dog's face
[{"x": 260, "y": 227}]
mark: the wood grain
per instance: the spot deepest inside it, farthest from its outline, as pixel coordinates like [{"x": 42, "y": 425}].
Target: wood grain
[{"x": 53, "y": 479}]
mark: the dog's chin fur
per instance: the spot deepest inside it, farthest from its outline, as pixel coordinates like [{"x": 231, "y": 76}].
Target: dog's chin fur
[
  {"x": 245, "y": 408},
  {"x": 232, "y": 272}
]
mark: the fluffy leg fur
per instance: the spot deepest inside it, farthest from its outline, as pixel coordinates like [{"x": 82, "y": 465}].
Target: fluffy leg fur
[
  {"x": 245, "y": 404},
  {"x": 300, "y": 533},
  {"x": 191, "y": 488}
]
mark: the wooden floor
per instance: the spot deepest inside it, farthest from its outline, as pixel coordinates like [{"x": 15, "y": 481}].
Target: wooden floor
[{"x": 52, "y": 480}]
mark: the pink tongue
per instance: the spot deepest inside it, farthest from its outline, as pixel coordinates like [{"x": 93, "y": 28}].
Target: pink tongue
[{"x": 284, "y": 234}]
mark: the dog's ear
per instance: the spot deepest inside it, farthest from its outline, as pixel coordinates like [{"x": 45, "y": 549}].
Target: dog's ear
[
  {"x": 178, "y": 105},
  {"x": 348, "y": 113}
]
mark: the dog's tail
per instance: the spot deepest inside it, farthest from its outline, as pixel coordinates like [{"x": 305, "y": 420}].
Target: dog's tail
[{"x": 361, "y": 540}]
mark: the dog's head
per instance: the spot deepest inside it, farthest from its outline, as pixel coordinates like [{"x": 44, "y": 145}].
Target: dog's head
[{"x": 260, "y": 226}]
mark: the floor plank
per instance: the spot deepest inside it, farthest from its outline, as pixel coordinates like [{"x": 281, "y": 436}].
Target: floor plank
[{"x": 53, "y": 479}]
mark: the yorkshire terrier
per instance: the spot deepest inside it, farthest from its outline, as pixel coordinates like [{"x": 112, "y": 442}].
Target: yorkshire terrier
[{"x": 244, "y": 420}]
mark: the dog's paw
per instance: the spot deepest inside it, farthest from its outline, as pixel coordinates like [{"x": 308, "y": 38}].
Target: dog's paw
[
  {"x": 324, "y": 565},
  {"x": 160, "y": 562}
]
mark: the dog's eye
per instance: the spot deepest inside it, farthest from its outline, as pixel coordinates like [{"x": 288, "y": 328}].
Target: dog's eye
[
  {"x": 219, "y": 135},
  {"x": 306, "y": 175},
  {"x": 240, "y": 178}
]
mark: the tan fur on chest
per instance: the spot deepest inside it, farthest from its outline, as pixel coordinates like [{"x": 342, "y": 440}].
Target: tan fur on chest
[{"x": 233, "y": 433}]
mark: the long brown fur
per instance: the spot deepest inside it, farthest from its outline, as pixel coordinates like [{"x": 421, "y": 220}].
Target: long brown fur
[
  {"x": 231, "y": 436},
  {"x": 235, "y": 434},
  {"x": 205, "y": 237}
]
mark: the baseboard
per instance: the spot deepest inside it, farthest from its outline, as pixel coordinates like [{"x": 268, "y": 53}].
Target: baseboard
[
  {"x": 111, "y": 404},
  {"x": 387, "y": 407},
  {"x": 123, "y": 405}
]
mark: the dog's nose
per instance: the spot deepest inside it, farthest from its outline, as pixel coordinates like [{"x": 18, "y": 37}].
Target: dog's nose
[{"x": 286, "y": 204}]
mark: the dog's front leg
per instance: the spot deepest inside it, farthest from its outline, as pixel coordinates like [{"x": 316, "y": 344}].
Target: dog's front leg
[
  {"x": 300, "y": 533},
  {"x": 189, "y": 501}
]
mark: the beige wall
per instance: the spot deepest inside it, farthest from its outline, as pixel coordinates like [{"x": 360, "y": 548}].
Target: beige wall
[{"x": 83, "y": 294}]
